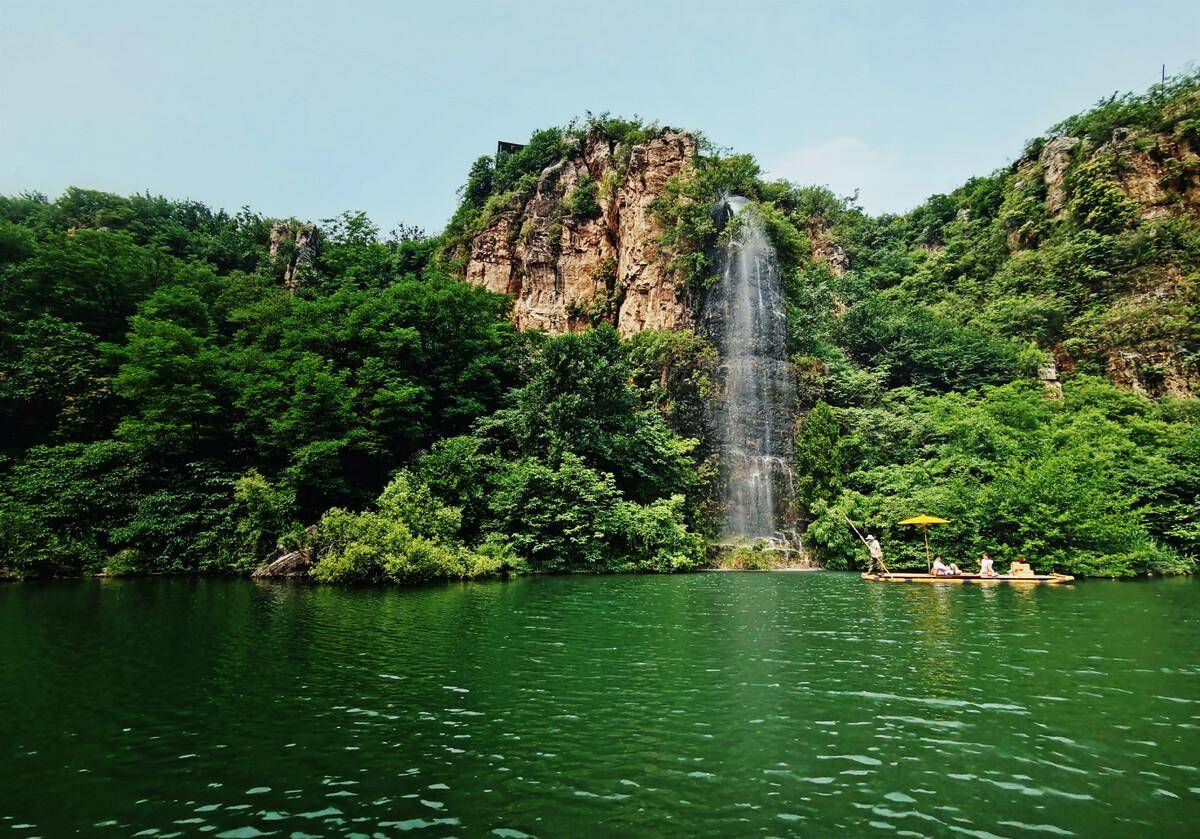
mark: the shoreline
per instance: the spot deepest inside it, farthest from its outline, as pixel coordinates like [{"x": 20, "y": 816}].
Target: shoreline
[{"x": 306, "y": 580}]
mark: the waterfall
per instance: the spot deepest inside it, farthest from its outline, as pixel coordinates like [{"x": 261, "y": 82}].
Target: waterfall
[{"x": 752, "y": 420}]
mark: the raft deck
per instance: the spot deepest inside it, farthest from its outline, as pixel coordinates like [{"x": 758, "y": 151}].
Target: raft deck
[{"x": 1044, "y": 579}]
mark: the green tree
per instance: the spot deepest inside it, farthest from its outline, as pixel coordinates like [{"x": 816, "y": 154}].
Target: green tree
[{"x": 819, "y": 462}]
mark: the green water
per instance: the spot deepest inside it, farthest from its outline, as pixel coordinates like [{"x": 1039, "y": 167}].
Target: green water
[{"x": 699, "y": 705}]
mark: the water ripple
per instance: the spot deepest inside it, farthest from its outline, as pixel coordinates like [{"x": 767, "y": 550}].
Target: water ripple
[{"x": 701, "y": 705}]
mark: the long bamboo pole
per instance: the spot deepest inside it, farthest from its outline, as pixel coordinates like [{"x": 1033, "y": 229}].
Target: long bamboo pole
[
  {"x": 855, "y": 529},
  {"x": 928, "y": 563}
]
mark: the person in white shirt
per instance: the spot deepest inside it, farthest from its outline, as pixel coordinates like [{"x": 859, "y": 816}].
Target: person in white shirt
[
  {"x": 941, "y": 569},
  {"x": 876, "y": 551},
  {"x": 986, "y": 568}
]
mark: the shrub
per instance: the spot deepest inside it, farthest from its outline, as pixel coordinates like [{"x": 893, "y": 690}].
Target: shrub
[
  {"x": 572, "y": 518},
  {"x": 582, "y": 203},
  {"x": 1097, "y": 201},
  {"x": 126, "y": 563}
]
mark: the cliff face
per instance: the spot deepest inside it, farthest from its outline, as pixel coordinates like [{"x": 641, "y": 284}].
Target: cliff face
[
  {"x": 1158, "y": 174},
  {"x": 1135, "y": 184},
  {"x": 296, "y": 244},
  {"x": 583, "y": 247},
  {"x": 1088, "y": 246}
]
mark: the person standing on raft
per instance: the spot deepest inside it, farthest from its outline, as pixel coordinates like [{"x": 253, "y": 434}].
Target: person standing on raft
[{"x": 876, "y": 551}]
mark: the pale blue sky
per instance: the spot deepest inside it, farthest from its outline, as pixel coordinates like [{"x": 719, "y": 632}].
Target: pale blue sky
[{"x": 309, "y": 108}]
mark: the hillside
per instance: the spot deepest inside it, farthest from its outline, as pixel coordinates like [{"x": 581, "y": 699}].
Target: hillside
[
  {"x": 1087, "y": 249},
  {"x": 1085, "y": 246},
  {"x": 1080, "y": 260},
  {"x": 192, "y": 391}
]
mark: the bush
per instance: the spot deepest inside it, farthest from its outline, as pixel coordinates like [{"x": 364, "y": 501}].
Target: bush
[
  {"x": 819, "y": 458},
  {"x": 748, "y": 558},
  {"x": 126, "y": 563},
  {"x": 573, "y": 518},
  {"x": 59, "y": 503},
  {"x": 409, "y": 538},
  {"x": 262, "y": 512},
  {"x": 582, "y": 203},
  {"x": 685, "y": 211},
  {"x": 1097, "y": 201}
]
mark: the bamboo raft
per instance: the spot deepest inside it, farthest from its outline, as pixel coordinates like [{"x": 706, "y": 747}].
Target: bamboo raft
[{"x": 1041, "y": 579}]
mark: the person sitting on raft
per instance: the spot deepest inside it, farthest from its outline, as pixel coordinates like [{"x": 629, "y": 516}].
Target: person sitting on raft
[
  {"x": 941, "y": 569},
  {"x": 986, "y": 567}
]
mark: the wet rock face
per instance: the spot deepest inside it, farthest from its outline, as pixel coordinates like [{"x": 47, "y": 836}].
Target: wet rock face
[{"x": 566, "y": 272}]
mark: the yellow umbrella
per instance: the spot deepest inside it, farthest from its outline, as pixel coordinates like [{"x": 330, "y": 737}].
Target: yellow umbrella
[{"x": 925, "y": 521}]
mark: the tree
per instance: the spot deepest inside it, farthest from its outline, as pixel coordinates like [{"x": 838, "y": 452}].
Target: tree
[{"x": 819, "y": 458}]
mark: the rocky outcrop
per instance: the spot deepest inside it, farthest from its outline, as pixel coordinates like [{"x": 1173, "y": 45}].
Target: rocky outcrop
[
  {"x": 1055, "y": 158},
  {"x": 1147, "y": 327},
  {"x": 1141, "y": 333},
  {"x": 1153, "y": 372},
  {"x": 824, "y": 249},
  {"x": 1144, "y": 333},
  {"x": 292, "y": 564},
  {"x": 288, "y": 564},
  {"x": 296, "y": 245},
  {"x": 567, "y": 269},
  {"x": 1048, "y": 375},
  {"x": 1160, "y": 174}
]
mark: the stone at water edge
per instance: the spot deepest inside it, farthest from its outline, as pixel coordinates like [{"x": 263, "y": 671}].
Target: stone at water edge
[{"x": 292, "y": 564}]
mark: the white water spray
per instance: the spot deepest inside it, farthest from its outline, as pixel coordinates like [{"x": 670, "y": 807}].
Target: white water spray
[{"x": 754, "y": 415}]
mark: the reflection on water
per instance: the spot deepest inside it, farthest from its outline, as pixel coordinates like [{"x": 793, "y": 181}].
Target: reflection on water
[{"x": 708, "y": 704}]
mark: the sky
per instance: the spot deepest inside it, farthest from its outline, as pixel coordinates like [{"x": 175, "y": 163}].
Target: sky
[{"x": 307, "y": 109}]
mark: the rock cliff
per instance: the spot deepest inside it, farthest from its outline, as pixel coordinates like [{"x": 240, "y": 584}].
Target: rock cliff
[
  {"x": 1144, "y": 177},
  {"x": 1158, "y": 173},
  {"x": 582, "y": 247},
  {"x": 295, "y": 245}
]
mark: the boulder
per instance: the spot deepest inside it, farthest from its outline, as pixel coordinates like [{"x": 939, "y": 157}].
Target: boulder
[{"x": 288, "y": 565}]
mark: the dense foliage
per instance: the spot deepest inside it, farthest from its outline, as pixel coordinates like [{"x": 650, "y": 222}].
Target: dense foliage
[
  {"x": 917, "y": 364},
  {"x": 571, "y": 475},
  {"x": 171, "y": 406},
  {"x": 186, "y": 390},
  {"x": 1101, "y": 482}
]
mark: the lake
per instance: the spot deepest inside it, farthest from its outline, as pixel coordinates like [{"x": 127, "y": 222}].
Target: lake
[{"x": 713, "y": 704}]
